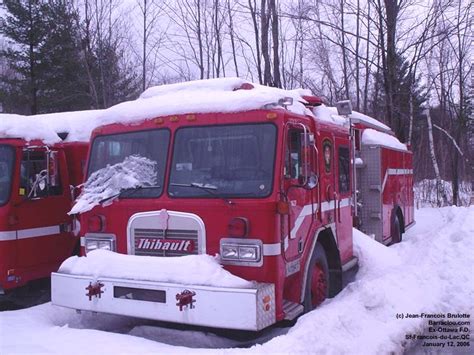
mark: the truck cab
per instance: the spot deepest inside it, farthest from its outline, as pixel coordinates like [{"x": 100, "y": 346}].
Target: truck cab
[{"x": 36, "y": 234}]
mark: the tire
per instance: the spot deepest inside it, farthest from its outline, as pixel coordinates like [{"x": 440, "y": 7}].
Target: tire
[
  {"x": 317, "y": 280},
  {"x": 396, "y": 230}
]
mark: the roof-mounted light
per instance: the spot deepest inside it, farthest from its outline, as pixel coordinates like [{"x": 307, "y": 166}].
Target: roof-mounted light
[
  {"x": 245, "y": 86},
  {"x": 344, "y": 108},
  {"x": 285, "y": 101}
]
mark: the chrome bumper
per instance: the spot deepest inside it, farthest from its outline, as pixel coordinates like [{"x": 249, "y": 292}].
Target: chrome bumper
[{"x": 234, "y": 308}]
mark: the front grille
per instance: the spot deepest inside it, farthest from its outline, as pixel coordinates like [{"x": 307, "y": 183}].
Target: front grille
[{"x": 152, "y": 242}]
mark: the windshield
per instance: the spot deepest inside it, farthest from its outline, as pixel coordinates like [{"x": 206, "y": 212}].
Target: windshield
[
  {"x": 115, "y": 148},
  {"x": 231, "y": 160},
  {"x": 7, "y": 157}
]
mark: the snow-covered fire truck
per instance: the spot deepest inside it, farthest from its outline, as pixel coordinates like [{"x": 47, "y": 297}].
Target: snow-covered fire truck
[
  {"x": 261, "y": 177},
  {"x": 35, "y": 229},
  {"x": 38, "y": 167}
]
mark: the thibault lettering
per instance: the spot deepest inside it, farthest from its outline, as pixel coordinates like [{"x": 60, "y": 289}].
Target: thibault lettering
[{"x": 165, "y": 244}]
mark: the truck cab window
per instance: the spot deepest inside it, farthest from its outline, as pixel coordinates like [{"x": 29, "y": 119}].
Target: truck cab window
[
  {"x": 344, "y": 169},
  {"x": 33, "y": 176},
  {"x": 293, "y": 155},
  {"x": 7, "y": 157}
]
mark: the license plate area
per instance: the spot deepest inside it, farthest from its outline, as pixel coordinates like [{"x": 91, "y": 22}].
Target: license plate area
[{"x": 139, "y": 294}]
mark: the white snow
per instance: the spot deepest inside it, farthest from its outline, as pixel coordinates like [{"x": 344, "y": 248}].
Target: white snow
[
  {"x": 79, "y": 125},
  {"x": 370, "y": 121},
  {"x": 372, "y": 137},
  {"x": 201, "y": 270},
  {"x": 105, "y": 183},
  {"x": 200, "y": 96},
  {"x": 329, "y": 114},
  {"x": 430, "y": 271}
]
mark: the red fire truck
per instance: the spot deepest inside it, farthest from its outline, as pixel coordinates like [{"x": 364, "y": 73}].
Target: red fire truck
[
  {"x": 36, "y": 234},
  {"x": 269, "y": 190}
]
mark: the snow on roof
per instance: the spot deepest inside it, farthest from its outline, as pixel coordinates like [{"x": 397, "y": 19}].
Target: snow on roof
[
  {"x": 369, "y": 121},
  {"x": 202, "y": 270},
  {"x": 79, "y": 125},
  {"x": 201, "y": 96},
  {"x": 329, "y": 114},
  {"x": 204, "y": 96},
  {"x": 373, "y": 137}
]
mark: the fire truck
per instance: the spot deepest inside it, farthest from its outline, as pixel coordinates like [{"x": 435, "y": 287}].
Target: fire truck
[
  {"x": 274, "y": 192},
  {"x": 36, "y": 233}
]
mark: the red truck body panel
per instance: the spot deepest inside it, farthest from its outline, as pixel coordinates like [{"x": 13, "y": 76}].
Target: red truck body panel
[{"x": 36, "y": 232}]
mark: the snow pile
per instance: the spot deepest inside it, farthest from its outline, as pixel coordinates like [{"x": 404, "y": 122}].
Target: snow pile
[
  {"x": 203, "y": 270},
  {"x": 78, "y": 124},
  {"x": 373, "y": 137},
  {"x": 134, "y": 171},
  {"x": 430, "y": 272}
]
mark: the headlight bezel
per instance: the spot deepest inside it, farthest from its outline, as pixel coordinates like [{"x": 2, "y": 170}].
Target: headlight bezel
[
  {"x": 104, "y": 239},
  {"x": 241, "y": 245}
]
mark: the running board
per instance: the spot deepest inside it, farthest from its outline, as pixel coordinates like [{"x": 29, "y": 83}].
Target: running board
[{"x": 292, "y": 310}]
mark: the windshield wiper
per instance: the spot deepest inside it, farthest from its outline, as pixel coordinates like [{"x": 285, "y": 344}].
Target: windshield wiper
[
  {"x": 210, "y": 189},
  {"x": 131, "y": 190},
  {"x": 198, "y": 185}
]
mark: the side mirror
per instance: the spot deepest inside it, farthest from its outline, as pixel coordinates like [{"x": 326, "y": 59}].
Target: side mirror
[
  {"x": 53, "y": 172},
  {"x": 307, "y": 143},
  {"x": 312, "y": 182}
]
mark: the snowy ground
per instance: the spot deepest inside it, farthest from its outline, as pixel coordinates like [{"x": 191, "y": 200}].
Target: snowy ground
[{"x": 431, "y": 271}]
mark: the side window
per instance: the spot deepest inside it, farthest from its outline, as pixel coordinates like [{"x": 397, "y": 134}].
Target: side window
[
  {"x": 293, "y": 155},
  {"x": 344, "y": 169},
  {"x": 34, "y": 176}
]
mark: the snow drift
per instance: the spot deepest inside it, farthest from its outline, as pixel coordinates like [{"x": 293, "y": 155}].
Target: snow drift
[
  {"x": 201, "y": 270},
  {"x": 430, "y": 271}
]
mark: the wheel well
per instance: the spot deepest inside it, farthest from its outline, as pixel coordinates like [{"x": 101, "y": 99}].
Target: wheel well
[
  {"x": 327, "y": 241},
  {"x": 399, "y": 213}
]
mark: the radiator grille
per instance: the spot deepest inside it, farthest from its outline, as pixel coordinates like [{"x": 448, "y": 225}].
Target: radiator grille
[{"x": 152, "y": 242}]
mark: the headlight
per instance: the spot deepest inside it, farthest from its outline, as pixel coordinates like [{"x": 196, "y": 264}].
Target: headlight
[
  {"x": 102, "y": 241},
  {"x": 230, "y": 251},
  {"x": 237, "y": 251}
]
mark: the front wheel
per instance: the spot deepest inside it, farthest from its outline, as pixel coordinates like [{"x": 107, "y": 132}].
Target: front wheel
[{"x": 317, "y": 280}]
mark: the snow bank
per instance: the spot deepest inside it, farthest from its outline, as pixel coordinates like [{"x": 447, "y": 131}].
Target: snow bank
[
  {"x": 371, "y": 136},
  {"x": 105, "y": 183},
  {"x": 430, "y": 271},
  {"x": 79, "y": 125},
  {"x": 203, "y": 270}
]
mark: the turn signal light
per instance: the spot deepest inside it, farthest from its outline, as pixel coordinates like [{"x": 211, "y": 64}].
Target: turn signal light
[
  {"x": 283, "y": 207},
  {"x": 238, "y": 227},
  {"x": 96, "y": 223}
]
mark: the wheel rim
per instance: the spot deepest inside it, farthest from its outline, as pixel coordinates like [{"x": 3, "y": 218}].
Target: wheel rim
[{"x": 319, "y": 286}]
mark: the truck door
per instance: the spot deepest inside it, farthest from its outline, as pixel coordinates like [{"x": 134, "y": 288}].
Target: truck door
[
  {"x": 41, "y": 214},
  {"x": 301, "y": 205},
  {"x": 343, "y": 208}
]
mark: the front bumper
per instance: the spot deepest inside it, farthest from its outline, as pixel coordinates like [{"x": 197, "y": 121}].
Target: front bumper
[{"x": 234, "y": 308}]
